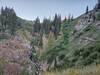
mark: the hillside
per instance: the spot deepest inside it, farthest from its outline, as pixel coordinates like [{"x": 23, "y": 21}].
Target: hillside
[
  {"x": 71, "y": 46},
  {"x": 9, "y": 25},
  {"x": 79, "y": 44},
  {"x": 14, "y": 57}
]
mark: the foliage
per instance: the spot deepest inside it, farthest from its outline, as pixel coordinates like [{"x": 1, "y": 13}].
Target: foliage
[
  {"x": 24, "y": 72},
  {"x": 87, "y": 10},
  {"x": 37, "y": 25},
  {"x": 66, "y": 52},
  {"x": 8, "y": 20},
  {"x": 56, "y": 52},
  {"x": 98, "y": 16},
  {"x": 89, "y": 70},
  {"x": 48, "y": 26}
]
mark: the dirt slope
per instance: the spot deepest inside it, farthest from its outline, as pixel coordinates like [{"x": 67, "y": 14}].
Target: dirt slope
[{"x": 14, "y": 57}]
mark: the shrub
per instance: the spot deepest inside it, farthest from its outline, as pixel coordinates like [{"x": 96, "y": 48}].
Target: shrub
[{"x": 98, "y": 16}]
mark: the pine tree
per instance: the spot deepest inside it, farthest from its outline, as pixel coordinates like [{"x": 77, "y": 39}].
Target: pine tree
[
  {"x": 65, "y": 19},
  {"x": 98, "y": 5},
  {"x": 69, "y": 17},
  {"x": 56, "y": 25},
  {"x": 40, "y": 40},
  {"x": 46, "y": 25},
  {"x": 72, "y": 18},
  {"x": 2, "y": 19},
  {"x": 13, "y": 22},
  {"x": 59, "y": 24},
  {"x": 37, "y": 25},
  {"x": 87, "y": 10},
  {"x": 8, "y": 20}
]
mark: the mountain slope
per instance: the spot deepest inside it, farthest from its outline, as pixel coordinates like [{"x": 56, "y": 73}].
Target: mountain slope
[
  {"x": 79, "y": 44},
  {"x": 14, "y": 57}
]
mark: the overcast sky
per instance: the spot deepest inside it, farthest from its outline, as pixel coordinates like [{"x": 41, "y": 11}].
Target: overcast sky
[{"x": 30, "y": 9}]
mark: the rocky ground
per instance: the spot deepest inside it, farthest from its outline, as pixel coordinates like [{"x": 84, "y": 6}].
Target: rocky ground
[{"x": 14, "y": 57}]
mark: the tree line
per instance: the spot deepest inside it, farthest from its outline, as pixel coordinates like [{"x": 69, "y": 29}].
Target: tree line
[
  {"x": 8, "y": 20},
  {"x": 48, "y": 25}
]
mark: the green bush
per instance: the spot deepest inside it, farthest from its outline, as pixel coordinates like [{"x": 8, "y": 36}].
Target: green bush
[{"x": 98, "y": 16}]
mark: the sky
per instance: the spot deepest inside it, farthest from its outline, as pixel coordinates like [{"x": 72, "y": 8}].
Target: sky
[{"x": 30, "y": 9}]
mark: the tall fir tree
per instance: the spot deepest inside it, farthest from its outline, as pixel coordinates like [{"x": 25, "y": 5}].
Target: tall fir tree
[
  {"x": 98, "y": 5},
  {"x": 13, "y": 22},
  {"x": 65, "y": 19},
  {"x": 37, "y": 25},
  {"x": 87, "y": 10},
  {"x": 8, "y": 20},
  {"x": 46, "y": 25},
  {"x": 56, "y": 25}
]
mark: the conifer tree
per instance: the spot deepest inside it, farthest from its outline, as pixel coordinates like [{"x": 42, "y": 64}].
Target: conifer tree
[
  {"x": 2, "y": 19},
  {"x": 72, "y": 18},
  {"x": 98, "y": 5},
  {"x": 65, "y": 19},
  {"x": 69, "y": 17},
  {"x": 37, "y": 25},
  {"x": 55, "y": 26},
  {"x": 87, "y": 10},
  {"x": 46, "y": 26},
  {"x": 12, "y": 21},
  {"x": 8, "y": 20}
]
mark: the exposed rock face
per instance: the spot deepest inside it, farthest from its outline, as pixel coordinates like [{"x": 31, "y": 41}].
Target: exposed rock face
[{"x": 85, "y": 20}]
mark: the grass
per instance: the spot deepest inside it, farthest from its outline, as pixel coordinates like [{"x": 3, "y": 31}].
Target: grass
[
  {"x": 89, "y": 70},
  {"x": 24, "y": 34}
]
